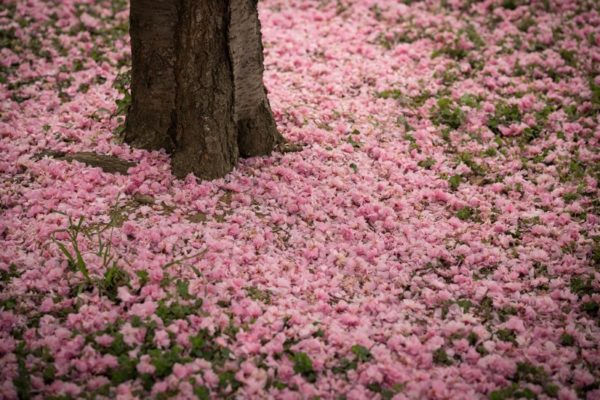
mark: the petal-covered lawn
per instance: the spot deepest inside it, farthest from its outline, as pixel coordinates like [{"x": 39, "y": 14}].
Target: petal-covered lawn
[{"x": 437, "y": 237}]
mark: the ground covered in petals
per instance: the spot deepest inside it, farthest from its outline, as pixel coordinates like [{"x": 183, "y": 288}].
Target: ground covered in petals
[{"x": 437, "y": 236}]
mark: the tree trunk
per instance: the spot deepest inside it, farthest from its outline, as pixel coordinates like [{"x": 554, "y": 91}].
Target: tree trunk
[{"x": 197, "y": 88}]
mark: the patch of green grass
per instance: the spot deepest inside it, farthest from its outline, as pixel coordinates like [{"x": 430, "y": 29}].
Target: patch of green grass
[
  {"x": 114, "y": 277},
  {"x": 595, "y": 89},
  {"x": 361, "y": 353},
  {"x": 426, "y": 163},
  {"x": 581, "y": 286},
  {"x": 441, "y": 357},
  {"x": 385, "y": 393},
  {"x": 389, "y": 94},
  {"x": 507, "y": 335},
  {"x": 595, "y": 252},
  {"x": 472, "y": 338},
  {"x": 453, "y": 50},
  {"x": 591, "y": 307},
  {"x": 512, "y": 392},
  {"x": 454, "y": 181},
  {"x": 122, "y": 84},
  {"x": 465, "y": 304},
  {"x": 567, "y": 340},
  {"x": 170, "y": 311},
  {"x": 183, "y": 289},
  {"x": 527, "y": 372},
  {"x": 470, "y": 100},
  {"x": 303, "y": 366},
  {"x": 505, "y": 114},
  {"x": 446, "y": 113},
  {"x": 264, "y": 296},
  {"x": 465, "y": 213},
  {"x": 525, "y": 23},
  {"x": 22, "y": 381},
  {"x": 510, "y": 4},
  {"x": 420, "y": 99},
  {"x": 490, "y": 152},
  {"x": 125, "y": 371},
  {"x": 75, "y": 257},
  {"x": 471, "y": 32},
  {"x": 7, "y": 276},
  {"x": 569, "y": 57}
]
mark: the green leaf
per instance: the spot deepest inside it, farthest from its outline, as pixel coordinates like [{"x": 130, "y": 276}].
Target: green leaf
[
  {"x": 465, "y": 304},
  {"x": 183, "y": 289},
  {"x": 362, "y": 353},
  {"x": 447, "y": 114},
  {"x": 507, "y": 335},
  {"x": 202, "y": 392},
  {"x": 303, "y": 366},
  {"x": 344, "y": 366},
  {"x": 389, "y": 94},
  {"x": 567, "y": 340},
  {"x": 465, "y": 213},
  {"x": 114, "y": 277},
  {"x": 426, "y": 163},
  {"x": 257, "y": 294},
  {"x": 227, "y": 378},
  {"x": 455, "y": 181},
  {"x": 441, "y": 357},
  {"x": 22, "y": 381},
  {"x": 126, "y": 370},
  {"x": 143, "y": 277}
]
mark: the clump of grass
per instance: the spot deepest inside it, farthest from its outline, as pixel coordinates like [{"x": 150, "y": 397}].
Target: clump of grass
[
  {"x": 454, "y": 182},
  {"x": 389, "y": 94},
  {"x": 426, "y": 163},
  {"x": 447, "y": 113},
  {"x": 114, "y": 276},
  {"x": 505, "y": 114},
  {"x": 466, "y": 214}
]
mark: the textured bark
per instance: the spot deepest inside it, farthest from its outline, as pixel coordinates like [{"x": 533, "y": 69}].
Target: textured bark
[
  {"x": 150, "y": 118},
  {"x": 206, "y": 142},
  {"x": 257, "y": 132},
  {"x": 197, "y": 88}
]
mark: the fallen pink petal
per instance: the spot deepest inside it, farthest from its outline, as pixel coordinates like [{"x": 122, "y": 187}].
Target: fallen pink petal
[{"x": 435, "y": 234}]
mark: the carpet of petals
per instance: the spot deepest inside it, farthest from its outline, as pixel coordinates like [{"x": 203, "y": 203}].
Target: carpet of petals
[{"x": 436, "y": 237}]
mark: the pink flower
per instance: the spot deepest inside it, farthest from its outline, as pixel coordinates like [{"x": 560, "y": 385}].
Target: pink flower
[
  {"x": 161, "y": 338},
  {"x": 144, "y": 366}
]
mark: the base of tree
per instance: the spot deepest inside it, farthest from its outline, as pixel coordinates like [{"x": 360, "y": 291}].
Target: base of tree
[{"x": 197, "y": 88}]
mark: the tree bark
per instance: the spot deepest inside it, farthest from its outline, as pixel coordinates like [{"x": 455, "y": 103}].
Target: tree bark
[
  {"x": 197, "y": 88},
  {"x": 257, "y": 132}
]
